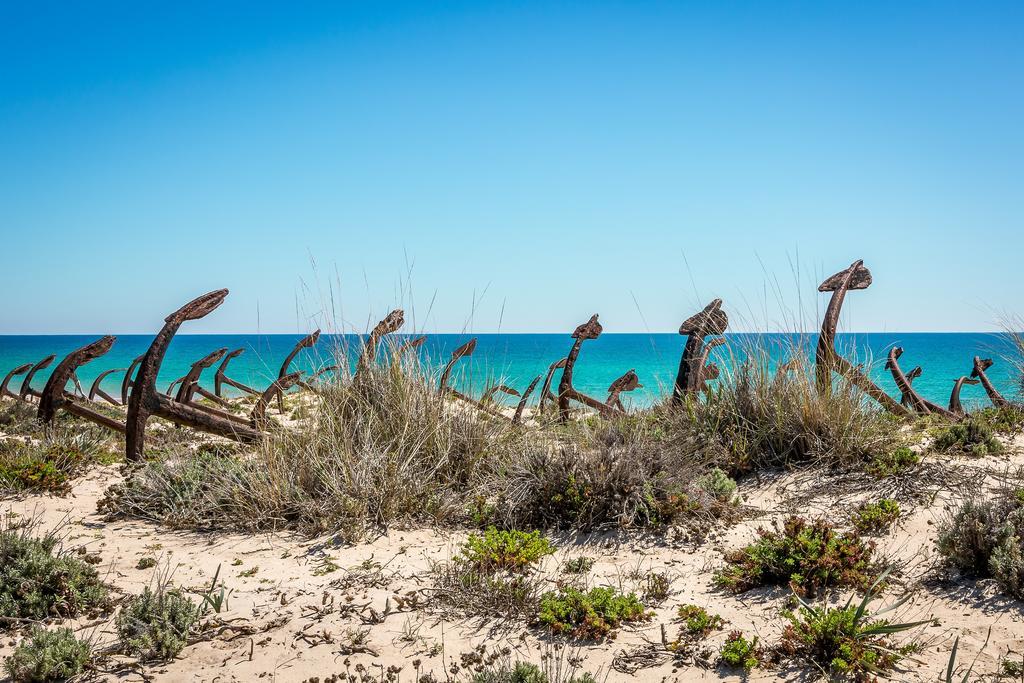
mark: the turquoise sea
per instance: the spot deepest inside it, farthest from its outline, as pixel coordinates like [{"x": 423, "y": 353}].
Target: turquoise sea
[{"x": 517, "y": 358}]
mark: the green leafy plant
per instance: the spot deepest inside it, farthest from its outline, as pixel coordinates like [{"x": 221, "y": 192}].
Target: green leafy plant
[
  {"x": 48, "y": 656},
  {"x": 876, "y": 517},
  {"x": 719, "y": 486},
  {"x": 847, "y": 642},
  {"x": 698, "y": 622},
  {"x": 589, "y": 616},
  {"x": 156, "y": 624},
  {"x": 39, "y": 580},
  {"x": 893, "y": 462},
  {"x": 806, "y": 555},
  {"x": 512, "y": 550},
  {"x": 51, "y": 462},
  {"x": 971, "y": 435},
  {"x": 739, "y": 652}
]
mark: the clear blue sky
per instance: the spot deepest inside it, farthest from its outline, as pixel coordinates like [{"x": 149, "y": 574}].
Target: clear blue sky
[{"x": 545, "y": 160}]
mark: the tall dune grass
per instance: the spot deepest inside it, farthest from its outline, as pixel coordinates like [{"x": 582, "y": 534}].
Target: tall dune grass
[{"x": 383, "y": 447}]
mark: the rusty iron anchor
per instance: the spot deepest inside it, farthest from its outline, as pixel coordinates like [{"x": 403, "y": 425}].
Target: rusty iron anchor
[
  {"x": 517, "y": 418},
  {"x": 917, "y": 403},
  {"x": 628, "y": 382},
  {"x": 146, "y": 401},
  {"x": 26, "y": 386},
  {"x": 711, "y": 321},
  {"x": 96, "y": 390},
  {"x": 221, "y": 378},
  {"x": 826, "y": 359},
  {"x": 545, "y": 392},
  {"x": 955, "y": 406},
  {"x": 980, "y": 366},
  {"x": 566, "y": 392},
  {"x": 20, "y": 370},
  {"x": 54, "y": 395}
]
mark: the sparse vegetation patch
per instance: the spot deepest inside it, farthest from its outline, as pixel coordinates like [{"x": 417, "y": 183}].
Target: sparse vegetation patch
[
  {"x": 806, "y": 555},
  {"x": 44, "y": 655},
  {"x": 591, "y": 615}
]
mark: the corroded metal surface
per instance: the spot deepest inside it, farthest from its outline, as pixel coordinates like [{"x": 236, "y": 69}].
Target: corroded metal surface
[
  {"x": 391, "y": 323},
  {"x": 518, "y": 417},
  {"x": 463, "y": 351},
  {"x": 826, "y": 359},
  {"x": 412, "y": 344},
  {"x": 955, "y": 406},
  {"x": 54, "y": 396},
  {"x": 980, "y": 366},
  {"x": 54, "y": 392},
  {"x": 911, "y": 376},
  {"x": 145, "y": 400},
  {"x": 566, "y": 392},
  {"x": 258, "y": 417},
  {"x": 96, "y": 390},
  {"x": 221, "y": 378},
  {"x": 628, "y": 382},
  {"x": 26, "y": 385},
  {"x": 918, "y": 404},
  {"x": 489, "y": 393},
  {"x": 545, "y": 392},
  {"x": 126, "y": 383},
  {"x": 188, "y": 383},
  {"x": 711, "y": 321},
  {"x": 20, "y": 370}
]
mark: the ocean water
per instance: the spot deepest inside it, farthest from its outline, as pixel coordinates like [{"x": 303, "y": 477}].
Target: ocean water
[{"x": 516, "y": 358}]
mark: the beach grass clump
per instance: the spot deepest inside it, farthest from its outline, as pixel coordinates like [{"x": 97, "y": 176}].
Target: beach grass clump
[
  {"x": 382, "y": 448},
  {"x": 593, "y": 615},
  {"x": 848, "y": 642},
  {"x": 614, "y": 478},
  {"x": 763, "y": 417},
  {"x": 972, "y": 435},
  {"x": 984, "y": 537},
  {"x": 48, "y": 655},
  {"x": 155, "y": 625},
  {"x": 740, "y": 652},
  {"x": 807, "y": 555},
  {"x": 697, "y": 622},
  {"x": 876, "y": 517},
  {"x": 892, "y": 463},
  {"x": 40, "y": 580},
  {"x": 505, "y": 550},
  {"x": 52, "y": 461}
]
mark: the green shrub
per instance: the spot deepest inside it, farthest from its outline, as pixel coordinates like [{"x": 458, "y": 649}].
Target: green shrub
[
  {"x": 985, "y": 537},
  {"x": 48, "y": 656},
  {"x": 806, "y": 555},
  {"x": 876, "y": 517},
  {"x": 38, "y": 580},
  {"x": 495, "y": 551},
  {"x": 718, "y": 485},
  {"x": 893, "y": 462},
  {"x": 50, "y": 463},
  {"x": 156, "y": 624},
  {"x": 591, "y": 615},
  {"x": 847, "y": 643},
  {"x": 698, "y": 622},
  {"x": 739, "y": 652},
  {"x": 970, "y": 435}
]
